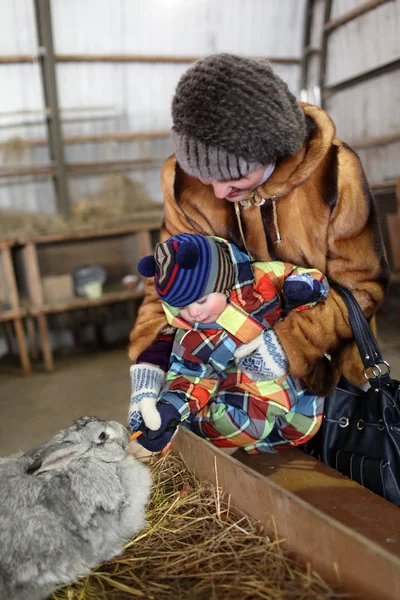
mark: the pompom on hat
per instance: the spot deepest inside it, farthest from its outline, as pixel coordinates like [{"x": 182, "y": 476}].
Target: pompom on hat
[
  {"x": 232, "y": 115},
  {"x": 188, "y": 267}
]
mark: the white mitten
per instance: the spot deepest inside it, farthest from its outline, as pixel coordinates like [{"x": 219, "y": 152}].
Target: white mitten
[
  {"x": 262, "y": 359},
  {"x": 147, "y": 381}
]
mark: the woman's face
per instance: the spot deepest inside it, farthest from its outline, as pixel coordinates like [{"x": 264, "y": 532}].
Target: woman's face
[
  {"x": 236, "y": 189},
  {"x": 204, "y": 310}
]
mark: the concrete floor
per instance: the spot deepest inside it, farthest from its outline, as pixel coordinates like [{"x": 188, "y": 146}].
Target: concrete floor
[
  {"x": 97, "y": 383},
  {"x": 34, "y": 408}
]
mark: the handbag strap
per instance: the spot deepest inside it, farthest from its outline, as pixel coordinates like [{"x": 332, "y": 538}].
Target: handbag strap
[{"x": 371, "y": 354}]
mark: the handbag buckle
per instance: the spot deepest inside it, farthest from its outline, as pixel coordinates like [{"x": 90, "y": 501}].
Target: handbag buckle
[
  {"x": 381, "y": 425},
  {"x": 376, "y": 371}
]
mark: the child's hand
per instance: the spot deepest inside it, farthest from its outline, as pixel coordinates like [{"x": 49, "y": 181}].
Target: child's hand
[
  {"x": 155, "y": 441},
  {"x": 147, "y": 381}
]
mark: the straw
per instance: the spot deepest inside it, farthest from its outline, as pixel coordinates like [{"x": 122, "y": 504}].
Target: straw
[{"x": 196, "y": 547}]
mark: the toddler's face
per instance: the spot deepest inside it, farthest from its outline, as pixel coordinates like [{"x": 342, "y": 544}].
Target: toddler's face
[{"x": 204, "y": 310}]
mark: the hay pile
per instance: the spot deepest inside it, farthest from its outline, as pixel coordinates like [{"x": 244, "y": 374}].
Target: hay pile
[
  {"x": 119, "y": 196},
  {"x": 196, "y": 548},
  {"x": 120, "y": 201},
  {"x": 15, "y": 148}
]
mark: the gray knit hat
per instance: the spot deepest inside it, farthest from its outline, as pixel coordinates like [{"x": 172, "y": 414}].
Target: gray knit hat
[{"x": 232, "y": 115}]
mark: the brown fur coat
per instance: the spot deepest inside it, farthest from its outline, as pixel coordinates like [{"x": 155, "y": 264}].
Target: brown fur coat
[{"x": 326, "y": 219}]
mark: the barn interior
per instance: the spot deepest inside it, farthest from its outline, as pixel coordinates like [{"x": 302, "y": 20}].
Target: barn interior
[{"x": 85, "y": 126}]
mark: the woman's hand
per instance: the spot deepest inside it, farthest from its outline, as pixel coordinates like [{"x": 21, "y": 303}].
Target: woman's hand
[{"x": 262, "y": 359}]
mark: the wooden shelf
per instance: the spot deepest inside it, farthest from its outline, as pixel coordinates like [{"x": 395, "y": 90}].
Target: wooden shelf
[
  {"x": 98, "y": 233},
  {"x": 7, "y": 243},
  {"x": 82, "y": 168},
  {"x": 117, "y": 248},
  {"x": 112, "y": 295},
  {"x": 12, "y": 313},
  {"x": 383, "y": 187},
  {"x": 130, "y": 58}
]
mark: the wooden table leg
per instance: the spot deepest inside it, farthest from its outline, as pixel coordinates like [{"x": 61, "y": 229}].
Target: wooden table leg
[
  {"x": 31, "y": 332},
  {"x": 36, "y": 296},
  {"x": 46, "y": 345},
  {"x": 22, "y": 349},
  {"x": 11, "y": 284},
  {"x": 9, "y": 337}
]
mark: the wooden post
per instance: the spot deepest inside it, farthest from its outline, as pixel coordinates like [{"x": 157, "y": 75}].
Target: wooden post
[
  {"x": 46, "y": 345},
  {"x": 11, "y": 284},
  {"x": 7, "y": 326},
  {"x": 134, "y": 247},
  {"x": 31, "y": 332},
  {"x": 144, "y": 243},
  {"x": 35, "y": 291},
  {"x": 9, "y": 276},
  {"x": 23, "y": 351},
  {"x": 32, "y": 273}
]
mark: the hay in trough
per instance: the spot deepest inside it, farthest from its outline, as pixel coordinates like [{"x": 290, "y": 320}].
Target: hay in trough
[{"x": 195, "y": 547}]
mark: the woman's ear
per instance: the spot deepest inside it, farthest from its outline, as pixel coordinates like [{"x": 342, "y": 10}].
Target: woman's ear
[
  {"x": 147, "y": 266},
  {"x": 187, "y": 255}
]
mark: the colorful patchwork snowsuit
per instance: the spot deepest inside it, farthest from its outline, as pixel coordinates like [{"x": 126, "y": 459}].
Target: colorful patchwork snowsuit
[{"x": 218, "y": 401}]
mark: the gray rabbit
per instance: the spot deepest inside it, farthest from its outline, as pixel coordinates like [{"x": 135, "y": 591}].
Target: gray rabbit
[{"x": 66, "y": 506}]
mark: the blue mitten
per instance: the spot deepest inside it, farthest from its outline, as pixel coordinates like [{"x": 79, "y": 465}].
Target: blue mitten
[
  {"x": 262, "y": 359},
  {"x": 155, "y": 441},
  {"x": 147, "y": 381}
]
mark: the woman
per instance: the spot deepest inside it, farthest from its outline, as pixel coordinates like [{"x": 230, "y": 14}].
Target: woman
[{"x": 253, "y": 166}]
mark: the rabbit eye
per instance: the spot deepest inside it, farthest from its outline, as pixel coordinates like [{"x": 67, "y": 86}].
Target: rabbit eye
[{"x": 102, "y": 436}]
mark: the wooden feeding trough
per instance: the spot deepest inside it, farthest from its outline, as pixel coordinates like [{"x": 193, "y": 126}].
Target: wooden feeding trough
[{"x": 347, "y": 534}]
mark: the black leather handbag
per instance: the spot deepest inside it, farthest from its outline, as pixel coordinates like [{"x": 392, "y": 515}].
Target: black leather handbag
[{"x": 360, "y": 432}]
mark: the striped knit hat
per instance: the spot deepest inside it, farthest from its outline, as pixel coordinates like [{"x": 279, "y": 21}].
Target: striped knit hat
[{"x": 188, "y": 267}]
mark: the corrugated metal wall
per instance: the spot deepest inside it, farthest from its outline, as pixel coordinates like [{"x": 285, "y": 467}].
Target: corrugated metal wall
[
  {"x": 371, "y": 108},
  {"x": 103, "y": 97},
  {"x": 21, "y": 90}
]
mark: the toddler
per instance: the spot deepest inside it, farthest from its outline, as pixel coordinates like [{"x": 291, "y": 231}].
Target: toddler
[{"x": 228, "y": 374}]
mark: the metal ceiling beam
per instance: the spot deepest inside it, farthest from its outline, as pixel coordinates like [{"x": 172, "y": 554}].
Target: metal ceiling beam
[
  {"x": 49, "y": 81},
  {"x": 324, "y": 51},
  {"x": 307, "y": 50}
]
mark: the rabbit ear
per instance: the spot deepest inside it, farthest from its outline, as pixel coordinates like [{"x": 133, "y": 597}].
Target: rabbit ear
[
  {"x": 52, "y": 457},
  {"x": 187, "y": 255},
  {"x": 147, "y": 266}
]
